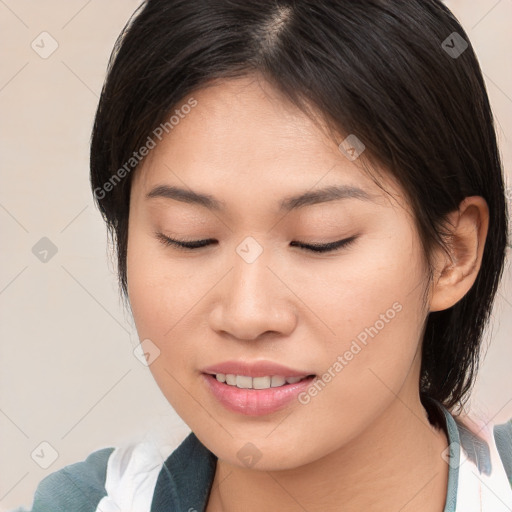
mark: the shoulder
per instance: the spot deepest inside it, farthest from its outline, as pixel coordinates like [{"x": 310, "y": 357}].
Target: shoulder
[
  {"x": 78, "y": 487},
  {"x": 112, "y": 479},
  {"x": 503, "y": 438}
]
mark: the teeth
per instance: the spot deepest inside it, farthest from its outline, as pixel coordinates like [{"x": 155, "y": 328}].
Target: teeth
[
  {"x": 245, "y": 382},
  {"x": 277, "y": 381}
]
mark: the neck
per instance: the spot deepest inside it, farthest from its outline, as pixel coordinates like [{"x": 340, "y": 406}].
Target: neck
[{"x": 395, "y": 464}]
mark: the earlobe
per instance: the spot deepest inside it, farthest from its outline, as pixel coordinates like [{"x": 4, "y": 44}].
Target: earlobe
[{"x": 457, "y": 271}]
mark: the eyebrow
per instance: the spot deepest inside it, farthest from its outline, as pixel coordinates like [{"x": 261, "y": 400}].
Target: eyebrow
[{"x": 324, "y": 195}]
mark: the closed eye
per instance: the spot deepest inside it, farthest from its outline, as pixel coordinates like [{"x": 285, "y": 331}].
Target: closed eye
[
  {"x": 333, "y": 246},
  {"x": 189, "y": 245}
]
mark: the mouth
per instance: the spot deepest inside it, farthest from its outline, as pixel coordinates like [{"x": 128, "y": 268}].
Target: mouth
[
  {"x": 264, "y": 382},
  {"x": 255, "y": 396}
]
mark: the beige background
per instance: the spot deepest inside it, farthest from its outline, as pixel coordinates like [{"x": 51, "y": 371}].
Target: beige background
[{"x": 68, "y": 375}]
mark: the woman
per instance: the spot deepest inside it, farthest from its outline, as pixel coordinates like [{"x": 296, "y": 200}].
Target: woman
[{"x": 308, "y": 208}]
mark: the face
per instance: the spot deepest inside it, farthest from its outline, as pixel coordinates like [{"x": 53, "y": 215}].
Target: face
[{"x": 257, "y": 292}]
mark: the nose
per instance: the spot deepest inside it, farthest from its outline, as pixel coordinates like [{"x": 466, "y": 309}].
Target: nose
[{"x": 254, "y": 301}]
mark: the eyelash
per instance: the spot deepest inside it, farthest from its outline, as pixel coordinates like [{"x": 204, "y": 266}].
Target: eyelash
[{"x": 315, "y": 248}]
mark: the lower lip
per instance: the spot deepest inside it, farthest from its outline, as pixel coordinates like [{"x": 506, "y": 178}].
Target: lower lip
[{"x": 255, "y": 402}]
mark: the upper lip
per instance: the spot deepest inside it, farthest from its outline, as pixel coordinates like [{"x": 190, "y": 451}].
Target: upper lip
[{"x": 254, "y": 369}]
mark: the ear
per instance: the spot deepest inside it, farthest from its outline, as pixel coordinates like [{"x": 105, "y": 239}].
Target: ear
[{"x": 456, "y": 273}]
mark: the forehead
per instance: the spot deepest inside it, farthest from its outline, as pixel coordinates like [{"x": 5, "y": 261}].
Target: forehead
[{"x": 243, "y": 135}]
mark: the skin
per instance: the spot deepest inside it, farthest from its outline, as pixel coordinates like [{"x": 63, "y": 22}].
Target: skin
[{"x": 357, "y": 444}]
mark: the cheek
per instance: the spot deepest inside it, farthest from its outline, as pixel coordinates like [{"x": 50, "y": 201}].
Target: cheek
[
  {"x": 352, "y": 290},
  {"x": 161, "y": 298},
  {"x": 372, "y": 301},
  {"x": 158, "y": 285},
  {"x": 157, "y": 291}
]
